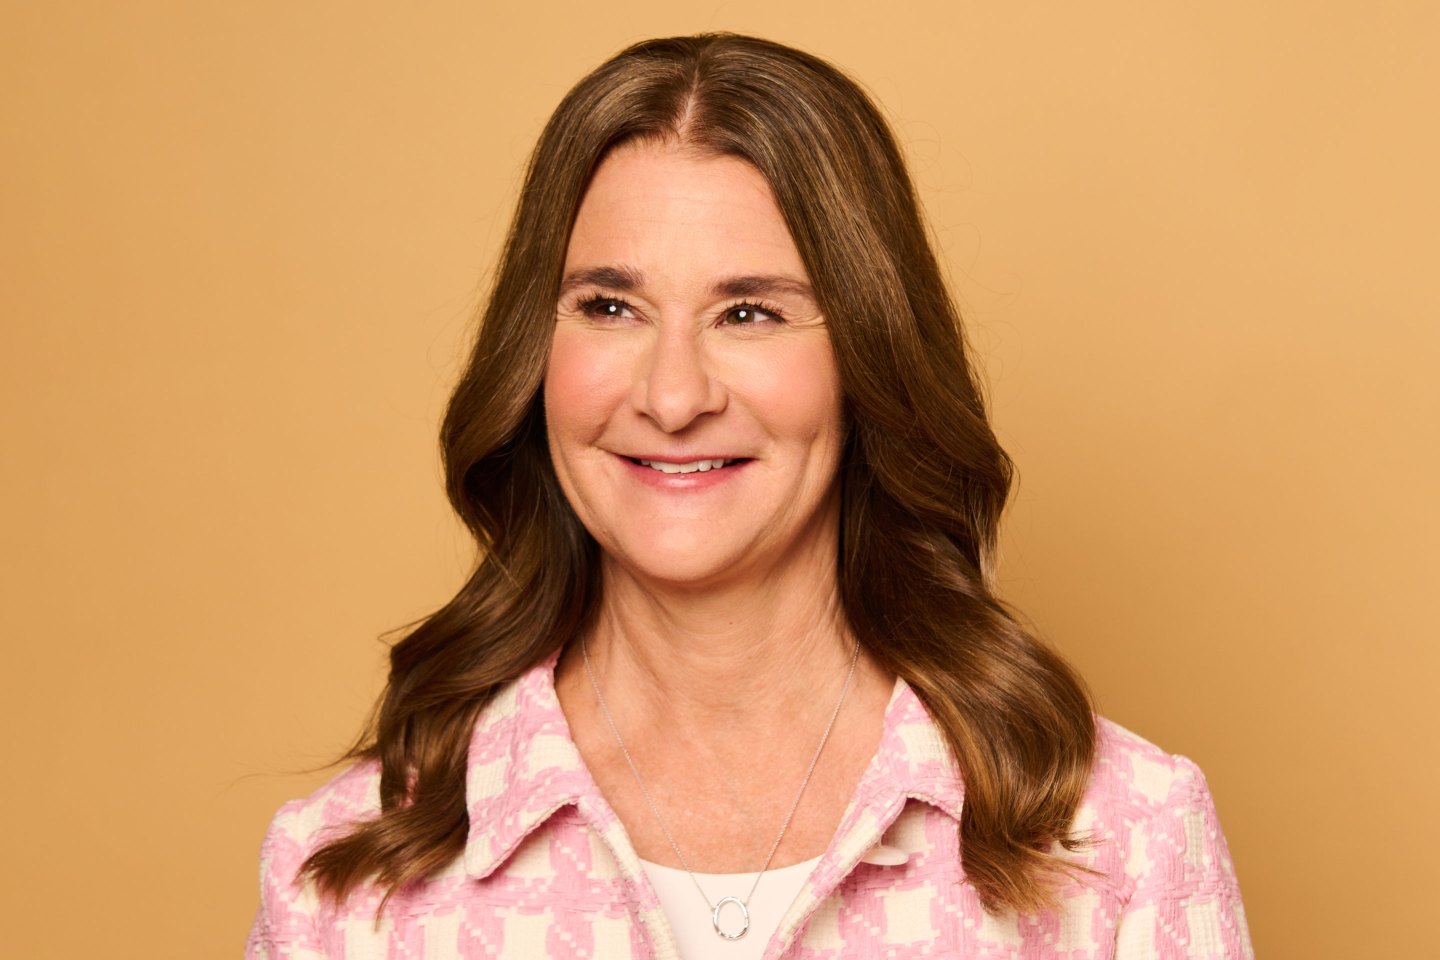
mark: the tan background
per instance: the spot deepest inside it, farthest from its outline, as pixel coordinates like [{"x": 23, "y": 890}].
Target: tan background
[{"x": 241, "y": 245}]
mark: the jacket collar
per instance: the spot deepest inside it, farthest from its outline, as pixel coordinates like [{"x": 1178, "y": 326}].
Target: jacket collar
[
  {"x": 913, "y": 759},
  {"x": 523, "y": 766}
]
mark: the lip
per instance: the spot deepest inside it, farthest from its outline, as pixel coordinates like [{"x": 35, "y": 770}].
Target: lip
[
  {"x": 689, "y": 482},
  {"x": 668, "y": 458}
]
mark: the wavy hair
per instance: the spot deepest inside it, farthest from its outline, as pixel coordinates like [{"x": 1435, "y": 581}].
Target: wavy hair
[{"x": 923, "y": 478}]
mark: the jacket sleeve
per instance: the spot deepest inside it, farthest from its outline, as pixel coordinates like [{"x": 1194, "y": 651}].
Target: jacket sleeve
[
  {"x": 284, "y": 927},
  {"x": 1186, "y": 901}
]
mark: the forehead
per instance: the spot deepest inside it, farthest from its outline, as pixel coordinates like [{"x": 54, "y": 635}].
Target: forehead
[{"x": 669, "y": 205}]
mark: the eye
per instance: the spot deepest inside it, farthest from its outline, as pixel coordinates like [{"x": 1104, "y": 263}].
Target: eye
[
  {"x": 600, "y": 307},
  {"x": 750, "y": 314}
]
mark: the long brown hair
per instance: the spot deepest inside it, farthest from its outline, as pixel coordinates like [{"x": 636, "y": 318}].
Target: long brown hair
[{"x": 923, "y": 479}]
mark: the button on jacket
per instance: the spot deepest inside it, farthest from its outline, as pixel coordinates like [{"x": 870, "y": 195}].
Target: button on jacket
[{"x": 548, "y": 870}]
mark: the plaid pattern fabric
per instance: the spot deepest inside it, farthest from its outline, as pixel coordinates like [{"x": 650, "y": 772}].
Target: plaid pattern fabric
[{"x": 548, "y": 870}]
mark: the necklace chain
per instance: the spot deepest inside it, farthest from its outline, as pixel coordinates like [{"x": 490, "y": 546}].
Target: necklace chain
[{"x": 715, "y": 907}]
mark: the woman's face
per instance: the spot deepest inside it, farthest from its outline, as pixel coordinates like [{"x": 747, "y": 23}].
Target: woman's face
[{"x": 691, "y": 397}]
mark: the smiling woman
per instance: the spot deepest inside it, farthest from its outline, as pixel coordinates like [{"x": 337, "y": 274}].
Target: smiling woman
[{"x": 730, "y": 678}]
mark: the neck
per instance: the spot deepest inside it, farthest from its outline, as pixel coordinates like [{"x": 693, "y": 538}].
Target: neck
[
  {"x": 720, "y": 658},
  {"x": 722, "y": 692}
]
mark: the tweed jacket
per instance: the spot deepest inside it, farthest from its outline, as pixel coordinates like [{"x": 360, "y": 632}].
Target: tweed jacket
[{"x": 548, "y": 870}]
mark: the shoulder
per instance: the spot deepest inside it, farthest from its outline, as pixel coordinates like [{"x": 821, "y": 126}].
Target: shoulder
[
  {"x": 1158, "y": 844},
  {"x": 285, "y": 922},
  {"x": 302, "y": 826},
  {"x": 352, "y": 796},
  {"x": 1134, "y": 775},
  {"x": 1152, "y": 818}
]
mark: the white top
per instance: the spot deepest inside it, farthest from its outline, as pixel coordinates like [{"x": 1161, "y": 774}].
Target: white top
[{"x": 689, "y": 918}]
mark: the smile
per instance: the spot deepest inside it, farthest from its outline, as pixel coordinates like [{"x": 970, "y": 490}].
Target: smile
[{"x": 694, "y": 466}]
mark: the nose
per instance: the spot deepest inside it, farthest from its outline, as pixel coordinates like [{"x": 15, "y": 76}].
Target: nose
[{"x": 674, "y": 384}]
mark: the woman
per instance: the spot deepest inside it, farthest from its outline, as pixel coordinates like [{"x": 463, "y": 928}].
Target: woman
[{"x": 730, "y": 673}]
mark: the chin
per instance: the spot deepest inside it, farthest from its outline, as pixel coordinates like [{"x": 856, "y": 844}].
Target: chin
[{"x": 681, "y": 559}]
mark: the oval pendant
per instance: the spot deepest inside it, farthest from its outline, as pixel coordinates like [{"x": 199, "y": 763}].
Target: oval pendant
[{"x": 744, "y": 915}]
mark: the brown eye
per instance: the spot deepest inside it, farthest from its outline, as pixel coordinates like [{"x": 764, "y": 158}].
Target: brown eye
[
  {"x": 604, "y": 308},
  {"x": 747, "y": 314}
]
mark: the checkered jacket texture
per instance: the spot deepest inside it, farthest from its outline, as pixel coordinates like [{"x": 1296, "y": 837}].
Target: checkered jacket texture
[{"x": 548, "y": 870}]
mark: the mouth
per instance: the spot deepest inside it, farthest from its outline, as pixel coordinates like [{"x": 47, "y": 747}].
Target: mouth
[{"x": 703, "y": 465}]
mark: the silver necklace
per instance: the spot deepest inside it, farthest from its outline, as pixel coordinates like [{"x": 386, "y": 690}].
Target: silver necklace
[{"x": 743, "y": 904}]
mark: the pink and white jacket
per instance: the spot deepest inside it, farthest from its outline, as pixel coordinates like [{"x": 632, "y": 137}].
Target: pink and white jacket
[{"x": 548, "y": 870}]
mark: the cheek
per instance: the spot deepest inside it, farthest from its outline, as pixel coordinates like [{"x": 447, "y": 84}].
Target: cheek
[
  {"x": 581, "y": 384},
  {"x": 797, "y": 391}
]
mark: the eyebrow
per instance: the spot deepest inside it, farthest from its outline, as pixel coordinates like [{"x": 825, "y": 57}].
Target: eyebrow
[
  {"x": 761, "y": 284},
  {"x": 627, "y": 279},
  {"x": 622, "y": 278}
]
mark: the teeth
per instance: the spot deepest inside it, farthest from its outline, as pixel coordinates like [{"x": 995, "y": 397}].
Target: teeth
[{"x": 694, "y": 466}]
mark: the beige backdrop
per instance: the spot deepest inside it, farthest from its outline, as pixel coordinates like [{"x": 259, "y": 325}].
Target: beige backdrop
[{"x": 241, "y": 246}]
